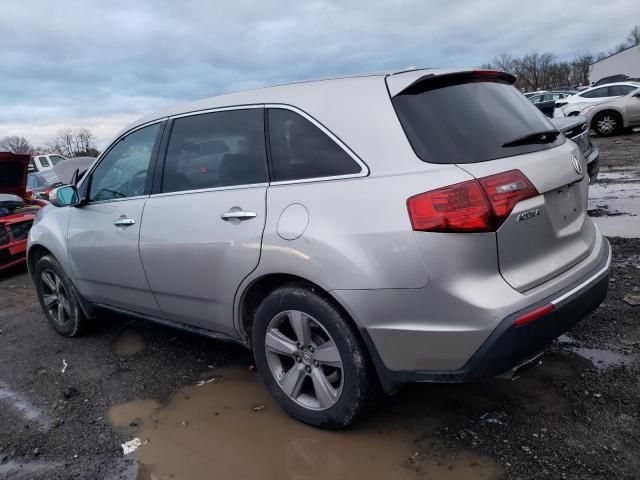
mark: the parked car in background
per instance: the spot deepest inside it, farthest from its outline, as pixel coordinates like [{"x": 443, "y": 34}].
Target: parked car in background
[
  {"x": 39, "y": 163},
  {"x": 610, "y": 118},
  {"x": 16, "y": 211},
  {"x": 574, "y": 104},
  {"x": 65, "y": 170},
  {"x": 546, "y": 101},
  {"x": 531, "y": 94},
  {"x": 576, "y": 129},
  {"x": 366, "y": 231},
  {"x": 41, "y": 183}
]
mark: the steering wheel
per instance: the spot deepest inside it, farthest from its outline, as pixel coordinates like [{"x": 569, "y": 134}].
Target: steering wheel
[{"x": 137, "y": 183}]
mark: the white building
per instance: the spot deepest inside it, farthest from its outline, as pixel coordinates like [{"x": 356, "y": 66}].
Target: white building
[{"x": 626, "y": 62}]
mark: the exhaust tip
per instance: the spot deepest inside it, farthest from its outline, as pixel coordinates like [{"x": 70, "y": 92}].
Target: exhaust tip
[{"x": 515, "y": 372}]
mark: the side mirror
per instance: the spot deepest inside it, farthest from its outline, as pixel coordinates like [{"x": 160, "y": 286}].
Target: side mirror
[{"x": 64, "y": 196}]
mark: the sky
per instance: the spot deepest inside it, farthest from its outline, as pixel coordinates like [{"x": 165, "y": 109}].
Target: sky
[{"x": 102, "y": 64}]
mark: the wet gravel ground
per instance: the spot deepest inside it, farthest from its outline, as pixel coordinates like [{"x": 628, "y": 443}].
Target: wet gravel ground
[{"x": 576, "y": 416}]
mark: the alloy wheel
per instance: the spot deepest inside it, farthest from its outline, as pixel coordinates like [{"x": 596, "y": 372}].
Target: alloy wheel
[
  {"x": 55, "y": 298},
  {"x": 304, "y": 360},
  {"x": 607, "y": 124}
]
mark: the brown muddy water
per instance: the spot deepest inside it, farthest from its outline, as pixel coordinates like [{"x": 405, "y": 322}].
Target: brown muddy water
[{"x": 229, "y": 428}]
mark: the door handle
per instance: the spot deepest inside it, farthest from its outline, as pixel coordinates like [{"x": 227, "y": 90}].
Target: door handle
[
  {"x": 238, "y": 215},
  {"x": 124, "y": 222}
]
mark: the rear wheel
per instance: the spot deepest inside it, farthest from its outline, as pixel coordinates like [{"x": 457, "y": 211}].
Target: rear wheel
[
  {"x": 57, "y": 298},
  {"x": 606, "y": 124},
  {"x": 312, "y": 359}
]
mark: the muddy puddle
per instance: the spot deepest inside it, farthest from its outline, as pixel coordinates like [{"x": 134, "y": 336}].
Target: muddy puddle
[
  {"x": 598, "y": 357},
  {"x": 231, "y": 429},
  {"x": 617, "y": 205},
  {"x": 128, "y": 343}
]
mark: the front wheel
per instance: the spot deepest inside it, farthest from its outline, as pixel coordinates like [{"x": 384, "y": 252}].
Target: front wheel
[
  {"x": 606, "y": 124},
  {"x": 57, "y": 298},
  {"x": 311, "y": 358}
]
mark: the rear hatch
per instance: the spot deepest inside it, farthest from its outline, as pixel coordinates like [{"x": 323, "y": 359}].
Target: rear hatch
[{"x": 537, "y": 193}]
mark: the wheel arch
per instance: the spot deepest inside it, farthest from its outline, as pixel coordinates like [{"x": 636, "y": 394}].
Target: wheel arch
[
  {"x": 260, "y": 287},
  {"x": 35, "y": 253}
]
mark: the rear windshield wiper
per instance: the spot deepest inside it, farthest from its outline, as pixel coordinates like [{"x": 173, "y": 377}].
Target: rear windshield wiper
[{"x": 546, "y": 136}]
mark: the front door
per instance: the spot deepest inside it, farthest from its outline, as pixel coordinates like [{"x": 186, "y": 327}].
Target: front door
[
  {"x": 103, "y": 234},
  {"x": 202, "y": 231}
]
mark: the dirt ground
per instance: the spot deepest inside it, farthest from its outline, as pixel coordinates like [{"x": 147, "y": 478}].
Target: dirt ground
[{"x": 198, "y": 410}]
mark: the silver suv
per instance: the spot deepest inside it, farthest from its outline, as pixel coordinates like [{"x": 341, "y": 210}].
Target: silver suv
[{"x": 355, "y": 233}]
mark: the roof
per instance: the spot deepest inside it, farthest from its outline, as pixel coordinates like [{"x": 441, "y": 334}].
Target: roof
[
  {"x": 397, "y": 80},
  {"x": 613, "y": 54}
]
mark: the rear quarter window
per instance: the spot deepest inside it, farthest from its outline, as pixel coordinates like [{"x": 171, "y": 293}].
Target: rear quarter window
[
  {"x": 467, "y": 119},
  {"x": 300, "y": 150}
]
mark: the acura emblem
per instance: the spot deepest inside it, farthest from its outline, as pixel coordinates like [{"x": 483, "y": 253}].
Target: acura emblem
[{"x": 577, "y": 165}]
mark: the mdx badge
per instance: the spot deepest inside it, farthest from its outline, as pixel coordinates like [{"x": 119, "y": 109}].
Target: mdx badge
[
  {"x": 528, "y": 214},
  {"x": 577, "y": 165}
]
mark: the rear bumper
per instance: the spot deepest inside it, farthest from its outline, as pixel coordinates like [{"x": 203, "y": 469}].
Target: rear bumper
[{"x": 507, "y": 345}]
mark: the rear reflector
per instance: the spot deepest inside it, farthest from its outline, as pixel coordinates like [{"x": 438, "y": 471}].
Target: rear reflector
[
  {"x": 474, "y": 206},
  {"x": 533, "y": 315}
]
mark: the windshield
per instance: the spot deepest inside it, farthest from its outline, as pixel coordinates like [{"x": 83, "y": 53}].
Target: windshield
[{"x": 469, "y": 119}]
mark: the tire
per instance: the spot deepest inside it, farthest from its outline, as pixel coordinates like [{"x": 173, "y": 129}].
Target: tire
[
  {"x": 607, "y": 124},
  {"x": 330, "y": 381},
  {"x": 58, "y": 299}
]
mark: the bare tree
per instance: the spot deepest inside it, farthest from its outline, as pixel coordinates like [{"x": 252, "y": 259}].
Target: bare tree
[
  {"x": 16, "y": 144},
  {"x": 580, "y": 69},
  {"x": 634, "y": 36},
  {"x": 73, "y": 142},
  {"x": 504, "y": 62},
  {"x": 534, "y": 70}
]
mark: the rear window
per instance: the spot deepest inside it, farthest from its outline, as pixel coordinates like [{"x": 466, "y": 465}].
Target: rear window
[{"x": 468, "y": 119}]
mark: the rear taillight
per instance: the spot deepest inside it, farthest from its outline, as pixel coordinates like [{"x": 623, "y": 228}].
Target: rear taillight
[
  {"x": 506, "y": 189},
  {"x": 474, "y": 206}
]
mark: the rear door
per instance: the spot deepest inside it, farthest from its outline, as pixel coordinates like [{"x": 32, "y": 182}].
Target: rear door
[
  {"x": 486, "y": 127},
  {"x": 202, "y": 230}
]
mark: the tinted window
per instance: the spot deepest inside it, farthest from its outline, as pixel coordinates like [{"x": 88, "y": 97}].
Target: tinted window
[
  {"x": 32, "y": 181},
  {"x": 468, "y": 119},
  {"x": 597, "y": 93},
  {"x": 44, "y": 162},
  {"x": 619, "y": 90},
  {"x": 123, "y": 171},
  {"x": 300, "y": 150},
  {"x": 218, "y": 149}
]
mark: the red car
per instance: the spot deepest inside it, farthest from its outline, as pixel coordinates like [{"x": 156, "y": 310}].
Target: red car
[{"x": 17, "y": 209}]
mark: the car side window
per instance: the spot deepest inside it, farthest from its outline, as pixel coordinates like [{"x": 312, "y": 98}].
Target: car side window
[
  {"x": 124, "y": 170},
  {"x": 44, "y": 162},
  {"x": 219, "y": 149},
  {"x": 597, "y": 93},
  {"x": 619, "y": 90},
  {"x": 300, "y": 150}
]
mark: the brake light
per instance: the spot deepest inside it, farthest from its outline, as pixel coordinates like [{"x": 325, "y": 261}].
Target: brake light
[
  {"x": 506, "y": 189},
  {"x": 473, "y": 206},
  {"x": 534, "y": 315}
]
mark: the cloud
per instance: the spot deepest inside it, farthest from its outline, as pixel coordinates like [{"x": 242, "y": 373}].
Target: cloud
[{"x": 95, "y": 64}]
